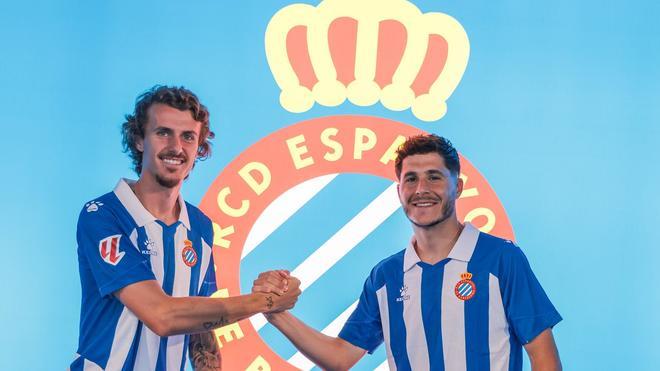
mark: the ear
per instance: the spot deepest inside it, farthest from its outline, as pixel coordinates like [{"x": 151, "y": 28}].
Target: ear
[
  {"x": 139, "y": 144},
  {"x": 459, "y": 186}
]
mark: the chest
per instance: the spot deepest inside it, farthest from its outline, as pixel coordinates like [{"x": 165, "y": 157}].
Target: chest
[{"x": 174, "y": 254}]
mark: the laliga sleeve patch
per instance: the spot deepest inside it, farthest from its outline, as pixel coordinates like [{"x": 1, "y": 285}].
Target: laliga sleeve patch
[{"x": 109, "y": 249}]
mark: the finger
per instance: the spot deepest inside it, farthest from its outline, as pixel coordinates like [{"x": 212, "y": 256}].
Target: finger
[
  {"x": 277, "y": 284},
  {"x": 260, "y": 288}
]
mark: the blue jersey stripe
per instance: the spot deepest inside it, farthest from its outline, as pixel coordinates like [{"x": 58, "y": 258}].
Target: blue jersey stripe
[
  {"x": 431, "y": 304},
  {"x": 130, "y": 361},
  {"x": 168, "y": 281},
  {"x": 195, "y": 270}
]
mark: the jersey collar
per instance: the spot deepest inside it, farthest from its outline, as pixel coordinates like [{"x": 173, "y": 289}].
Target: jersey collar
[
  {"x": 141, "y": 215},
  {"x": 462, "y": 250}
]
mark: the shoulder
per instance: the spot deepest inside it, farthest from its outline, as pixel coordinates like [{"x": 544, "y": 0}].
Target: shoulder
[
  {"x": 199, "y": 221},
  {"x": 387, "y": 268},
  {"x": 500, "y": 256},
  {"x": 493, "y": 246},
  {"x": 102, "y": 208}
]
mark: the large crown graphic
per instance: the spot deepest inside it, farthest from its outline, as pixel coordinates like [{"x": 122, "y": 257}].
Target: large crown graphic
[{"x": 366, "y": 51}]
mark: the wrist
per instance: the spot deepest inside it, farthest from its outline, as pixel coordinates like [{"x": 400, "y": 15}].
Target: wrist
[
  {"x": 264, "y": 301},
  {"x": 272, "y": 317}
]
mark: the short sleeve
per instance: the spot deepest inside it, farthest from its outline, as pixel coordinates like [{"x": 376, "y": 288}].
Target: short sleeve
[
  {"x": 528, "y": 308},
  {"x": 108, "y": 252},
  {"x": 363, "y": 328}
]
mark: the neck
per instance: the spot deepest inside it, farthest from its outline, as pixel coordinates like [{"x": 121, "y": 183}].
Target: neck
[
  {"x": 160, "y": 201},
  {"x": 434, "y": 244}
]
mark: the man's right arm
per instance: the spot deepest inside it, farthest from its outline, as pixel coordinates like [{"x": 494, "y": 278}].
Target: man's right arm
[
  {"x": 166, "y": 315},
  {"x": 329, "y": 353}
]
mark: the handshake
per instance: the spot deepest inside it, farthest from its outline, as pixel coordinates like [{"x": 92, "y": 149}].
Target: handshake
[{"x": 279, "y": 288}]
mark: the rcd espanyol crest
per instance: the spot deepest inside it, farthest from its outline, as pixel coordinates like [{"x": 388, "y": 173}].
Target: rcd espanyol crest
[{"x": 319, "y": 197}]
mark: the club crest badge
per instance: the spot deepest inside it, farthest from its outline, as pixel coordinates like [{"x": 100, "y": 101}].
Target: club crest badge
[
  {"x": 188, "y": 254},
  {"x": 465, "y": 288}
]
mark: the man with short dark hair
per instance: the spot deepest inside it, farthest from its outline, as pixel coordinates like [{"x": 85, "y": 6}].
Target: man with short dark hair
[
  {"x": 454, "y": 299},
  {"x": 145, "y": 258}
]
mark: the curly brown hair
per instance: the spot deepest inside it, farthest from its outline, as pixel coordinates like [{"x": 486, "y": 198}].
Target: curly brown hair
[
  {"x": 175, "y": 97},
  {"x": 428, "y": 143}
]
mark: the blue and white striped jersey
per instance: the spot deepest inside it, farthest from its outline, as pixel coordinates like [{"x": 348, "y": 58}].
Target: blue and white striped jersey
[
  {"x": 119, "y": 243},
  {"x": 471, "y": 311}
]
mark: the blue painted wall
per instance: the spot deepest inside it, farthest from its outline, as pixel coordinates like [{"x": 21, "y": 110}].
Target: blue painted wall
[{"x": 559, "y": 109}]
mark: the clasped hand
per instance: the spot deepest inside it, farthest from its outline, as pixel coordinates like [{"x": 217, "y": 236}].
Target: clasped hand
[{"x": 279, "y": 282}]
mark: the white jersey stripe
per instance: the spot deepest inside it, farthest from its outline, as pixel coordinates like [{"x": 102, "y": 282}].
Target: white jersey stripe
[
  {"x": 122, "y": 340},
  {"x": 180, "y": 288},
  {"x": 155, "y": 233},
  {"x": 384, "y": 309},
  {"x": 175, "y": 351},
  {"x": 147, "y": 353},
  {"x": 181, "y": 284},
  {"x": 134, "y": 239},
  {"x": 453, "y": 318},
  {"x": 91, "y": 366},
  {"x": 498, "y": 327},
  {"x": 416, "y": 346}
]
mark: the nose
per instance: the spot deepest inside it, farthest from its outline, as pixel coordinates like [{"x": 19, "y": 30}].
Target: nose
[
  {"x": 422, "y": 186},
  {"x": 175, "y": 143}
]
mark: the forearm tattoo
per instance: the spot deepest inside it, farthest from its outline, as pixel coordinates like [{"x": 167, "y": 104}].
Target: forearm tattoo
[
  {"x": 204, "y": 352},
  {"x": 211, "y": 325},
  {"x": 269, "y": 302}
]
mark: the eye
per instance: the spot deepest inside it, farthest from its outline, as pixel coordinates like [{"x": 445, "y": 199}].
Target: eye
[
  {"x": 162, "y": 132},
  {"x": 189, "y": 137},
  {"x": 410, "y": 179}
]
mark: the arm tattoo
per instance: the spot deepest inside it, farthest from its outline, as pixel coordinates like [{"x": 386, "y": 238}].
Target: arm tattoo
[
  {"x": 211, "y": 325},
  {"x": 269, "y": 302},
  {"x": 204, "y": 352}
]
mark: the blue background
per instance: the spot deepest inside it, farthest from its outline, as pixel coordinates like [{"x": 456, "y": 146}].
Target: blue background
[{"x": 559, "y": 109}]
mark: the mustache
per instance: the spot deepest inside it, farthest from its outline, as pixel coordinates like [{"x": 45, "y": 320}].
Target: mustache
[
  {"x": 426, "y": 197},
  {"x": 173, "y": 154}
]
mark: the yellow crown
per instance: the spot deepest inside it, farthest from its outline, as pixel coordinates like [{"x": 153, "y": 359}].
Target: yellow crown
[
  {"x": 466, "y": 276},
  {"x": 308, "y": 48}
]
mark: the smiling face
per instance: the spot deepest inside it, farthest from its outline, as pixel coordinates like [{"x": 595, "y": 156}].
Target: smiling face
[
  {"x": 427, "y": 190},
  {"x": 170, "y": 144}
]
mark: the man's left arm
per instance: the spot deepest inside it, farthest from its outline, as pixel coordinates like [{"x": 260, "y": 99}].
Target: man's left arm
[
  {"x": 204, "y": 352},
  {"x": 542, "y": 352}
]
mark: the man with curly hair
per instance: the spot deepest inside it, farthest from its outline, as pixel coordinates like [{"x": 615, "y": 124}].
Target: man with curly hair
[
  {"x": 454, "y": 299},
  {"x": 145, "y": 259}
]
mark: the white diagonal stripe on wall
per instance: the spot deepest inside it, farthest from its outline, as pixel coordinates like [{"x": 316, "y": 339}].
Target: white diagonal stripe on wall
[
  {"x": 280, "y": 210},
  {"x": 382, "y": 367},
  {"x": 302, "y": 362},
  {"x": 342, "y": 242},
  {"x": 347, "y": 237}
]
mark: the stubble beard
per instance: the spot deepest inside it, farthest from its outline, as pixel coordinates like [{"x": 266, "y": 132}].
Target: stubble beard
[
  {"x": 167, "y": 182},
  {"x": 447, "y": 211}
]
